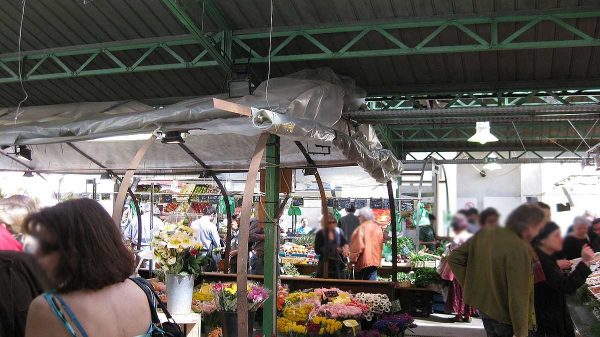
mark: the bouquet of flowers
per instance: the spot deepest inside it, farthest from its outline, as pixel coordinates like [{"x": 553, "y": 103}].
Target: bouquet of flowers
[
  {"x": 177, "y": 252},
  {"x": 225, "y": 295},
  {"x": 395, "y": 325}
]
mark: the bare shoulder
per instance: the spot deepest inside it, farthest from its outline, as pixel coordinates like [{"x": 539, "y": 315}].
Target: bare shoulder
[{"x": 41, "y": 321}]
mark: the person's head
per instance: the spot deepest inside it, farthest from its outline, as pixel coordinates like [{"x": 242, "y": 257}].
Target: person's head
[
  {"x": 351, "y": 209},
  {"x": 365, "y": 214},
  {"x": 489, "y": 218},
  {"x": 330, "y": 223},
  {"x": 549, "y": 238},
  {"x": 526, "y": 220},
  {"x": 596, "y": 226},
  {"x": 547, "y": 211},
  {"x": 589, "y": 215},
  {"x": 235, "y": 218},
  {"x": 459, "y": 223},
  {"x": 14, "y": 210},
  {"x": 581, "y": 227},
  {"x": 79, "y": 246},
  {"x": 211, "y": 212},
  {"x": 304, "y": 222},
  {"x": 473, "y": 215}
]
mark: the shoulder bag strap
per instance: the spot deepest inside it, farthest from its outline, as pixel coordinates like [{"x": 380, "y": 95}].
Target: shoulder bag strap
[
  {"x": 153, "y": 299},
  {"x": 51, "y": 300}
]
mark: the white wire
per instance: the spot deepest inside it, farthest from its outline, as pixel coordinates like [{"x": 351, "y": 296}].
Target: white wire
[
  {"x": 269, "y": 58},
  {"x": 21, "y": 65}
]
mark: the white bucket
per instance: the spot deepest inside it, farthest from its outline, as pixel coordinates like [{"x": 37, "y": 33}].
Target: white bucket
[{"x": 179, "y": 293}]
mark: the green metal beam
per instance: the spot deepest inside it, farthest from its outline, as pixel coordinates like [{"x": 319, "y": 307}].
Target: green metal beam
[
  {"x": 271, "y": 262},
  {"x": 524, "y": 97},
  {"x": 222, "y": 58},
  {"x": 82, "y": 60}
]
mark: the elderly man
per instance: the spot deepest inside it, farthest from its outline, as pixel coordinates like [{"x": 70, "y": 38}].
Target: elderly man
[
  {"x": 577, "y": 239},
  {"x": 366, "y": 246}
]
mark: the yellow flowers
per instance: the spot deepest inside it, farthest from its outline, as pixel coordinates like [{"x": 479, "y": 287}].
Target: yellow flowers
[
  {"x": 232, "y": 289},
  {"x": 172, "y": 245},
  {"x": 204, "y": 294},
  {"x": 297, "y": 297},
  {"x": 328, "y": 326},
  {"x": 297, "y": 313},
  {"x": 288, "y": 327}
]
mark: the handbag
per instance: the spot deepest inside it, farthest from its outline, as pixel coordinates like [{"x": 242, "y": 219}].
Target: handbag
[{"x": 165, "y": 329}]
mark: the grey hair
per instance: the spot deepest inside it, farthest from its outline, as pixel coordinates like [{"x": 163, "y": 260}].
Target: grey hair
[
  {"x": 14, "y": 210},
  {"x": 581, "y": 220},
  {"x": 366, "y": 213}
]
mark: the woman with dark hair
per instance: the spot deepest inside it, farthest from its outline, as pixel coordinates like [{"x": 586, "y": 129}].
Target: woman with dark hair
[
  {"x": 489, "y": 218},
  {"x": 331, "y": 245},
  {"x": 552, "y": 313},
  {"x": 80, "y": 248}
]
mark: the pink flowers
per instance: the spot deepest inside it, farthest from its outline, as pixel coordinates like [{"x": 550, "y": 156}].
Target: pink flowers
[
  {"x": 218, "y": 286},
  {"x": 338, "y": 311},
  {"x": 257, "y": 294}
]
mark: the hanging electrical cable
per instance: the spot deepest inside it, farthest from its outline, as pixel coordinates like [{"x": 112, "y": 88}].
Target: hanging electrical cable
[
  {"x": 20, "y": 65},
  {"x": 269, "y": 58}
]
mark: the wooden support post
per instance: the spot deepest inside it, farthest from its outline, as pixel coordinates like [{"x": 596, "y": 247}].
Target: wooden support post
[
  {"x": 126, "y": 182},
  {"x": 242, "y": 261},
  {"x": 272, "y": 180}
]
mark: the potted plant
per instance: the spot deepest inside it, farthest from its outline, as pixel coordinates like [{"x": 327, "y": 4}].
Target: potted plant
[
  {"x": 179, "y": 256},
  {"x": 225, "y": 295},
  {"x": 426, "y": 278},
  {"x": 406, "y": 280}
]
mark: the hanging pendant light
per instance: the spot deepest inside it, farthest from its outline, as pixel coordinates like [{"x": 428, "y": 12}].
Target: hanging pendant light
[
  {"x": 491, "y": 163},
  {"x": 482, "y": 134}
]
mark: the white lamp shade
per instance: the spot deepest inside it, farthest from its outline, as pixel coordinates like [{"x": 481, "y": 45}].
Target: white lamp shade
[{"x": 482, "y": 134}]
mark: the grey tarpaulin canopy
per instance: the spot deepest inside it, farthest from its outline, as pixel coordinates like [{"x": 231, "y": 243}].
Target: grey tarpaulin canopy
[{"x": 306, "y": 106}]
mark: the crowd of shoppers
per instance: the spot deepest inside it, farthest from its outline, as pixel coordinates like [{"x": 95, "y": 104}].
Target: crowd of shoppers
[{"x": 513, "y": 277}]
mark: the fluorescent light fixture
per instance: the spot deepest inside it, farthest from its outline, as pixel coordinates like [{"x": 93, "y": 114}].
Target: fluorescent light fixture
[
  {"x": 124, "y": 138},
  {"x": 482, "y": 134},
  {"x": 491, "y": 163}
]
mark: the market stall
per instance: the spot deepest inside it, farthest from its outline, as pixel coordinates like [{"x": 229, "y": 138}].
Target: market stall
[{"x": 300, "y": 111}]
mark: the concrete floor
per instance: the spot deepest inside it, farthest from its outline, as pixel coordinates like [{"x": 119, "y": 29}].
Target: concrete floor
[{"x": 439, "y": 326}]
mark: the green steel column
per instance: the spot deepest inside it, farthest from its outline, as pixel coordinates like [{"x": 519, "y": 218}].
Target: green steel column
[{"x": 271, "y": 234}]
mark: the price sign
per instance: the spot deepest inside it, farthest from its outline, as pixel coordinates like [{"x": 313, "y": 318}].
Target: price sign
[
  {"x": 167, "y": 198},
  {"x": 407, "y": 206},
  {"x": 298, "y": 202},
  {"x": 256, "y": 198},
  {"x": 344, "y": 202},
  {"x": 386, "y": 204},
  {"x": 360, "y": 203},
  {"x": 330, "y": 202},
  {"x": 213, "y": 199},
  {"x": 376, "y": 203}
]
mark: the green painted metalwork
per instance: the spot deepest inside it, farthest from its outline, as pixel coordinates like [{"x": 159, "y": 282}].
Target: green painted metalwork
[
  {"x": 217, "y": 45},
  {"x": 523, "y": 97},
  {"x": 218, "y": 55},
  {"x": 271, "y": 233}
]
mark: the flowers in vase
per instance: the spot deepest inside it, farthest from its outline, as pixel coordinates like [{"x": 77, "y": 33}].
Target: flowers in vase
[
  {"x": 225, "y": 295},
  {"x": 177, "y": 252}
]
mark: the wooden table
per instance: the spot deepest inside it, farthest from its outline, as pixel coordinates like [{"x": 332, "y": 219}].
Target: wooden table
[{"x": 191, "y": 324}]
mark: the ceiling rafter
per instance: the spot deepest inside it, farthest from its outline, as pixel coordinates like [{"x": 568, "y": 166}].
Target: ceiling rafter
[{"x": 217, "y": 46}]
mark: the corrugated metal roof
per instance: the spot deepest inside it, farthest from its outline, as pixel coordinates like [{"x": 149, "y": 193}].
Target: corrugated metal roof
[{"x": 60, "y": 23}]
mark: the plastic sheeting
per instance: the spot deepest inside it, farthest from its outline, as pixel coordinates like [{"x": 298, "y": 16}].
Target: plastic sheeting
[{"x": 306, "y": 106}]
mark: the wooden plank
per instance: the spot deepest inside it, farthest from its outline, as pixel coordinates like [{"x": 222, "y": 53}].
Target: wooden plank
[
  {"x": 244, "y": 231},
  {"x": 232, "y": 107}
]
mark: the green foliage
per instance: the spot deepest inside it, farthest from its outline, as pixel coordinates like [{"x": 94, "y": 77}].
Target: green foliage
[
  {"x": 583, "y": 295},
  {"x": 406, "y": 277},
  {"x": 441, "y": 248},
  {"x": 406, "y": 246},
  {"x": 305, "y": 240},
  {"x": 426, "y": 276},
  {"x": 290, "y": 269}
]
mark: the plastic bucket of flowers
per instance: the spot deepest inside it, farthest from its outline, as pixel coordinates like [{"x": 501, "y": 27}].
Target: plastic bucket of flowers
[{"x": 225, "y": 297}]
